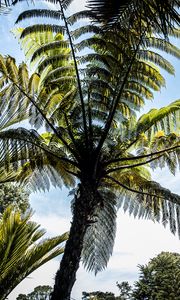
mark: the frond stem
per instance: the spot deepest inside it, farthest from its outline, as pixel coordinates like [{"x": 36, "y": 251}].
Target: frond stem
[
  {"x": 130, "y": 189},
  {"x": 115, "y": 102},
  {"x": 77, "y": 72},
  {"x": 132, "y": 166},
  {"x": 141, "y": 156},
  {"x": 69, "y": 130}
]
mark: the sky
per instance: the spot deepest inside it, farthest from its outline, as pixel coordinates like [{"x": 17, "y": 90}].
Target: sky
[{"x": 136, "y": 241}]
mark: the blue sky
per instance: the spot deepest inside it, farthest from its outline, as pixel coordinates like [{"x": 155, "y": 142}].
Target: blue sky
[{"x": 136, "y": 240}]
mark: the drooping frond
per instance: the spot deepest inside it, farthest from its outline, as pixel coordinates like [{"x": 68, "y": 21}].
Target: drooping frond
[
  {"x": 34, "y": 13},
  {"x": 157, "y": 15},
  {"x": 144, "y": 198},
  {"x": 55, "y": 45},
  {"x": 19, "y": 251},
  {"x": 166, "y": 147},
  {"x": 165, "y": 118},
  {"x": 157, "y": 59},
  {"x": 36, "y": 164},
  {"x": 100, "y": 235},
  {"x": 83, "y": 14},
  {"x": 163, "y": 45},
  {"x": 42, "y": 28}
]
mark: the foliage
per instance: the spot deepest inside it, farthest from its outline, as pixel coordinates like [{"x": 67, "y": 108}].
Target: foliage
[
  {"x": 39, "y": 293},
  {"x": 159, "y": 15},
  {"x": 159, "y": 279},
  {"x": 21, "y": 252},
  {"x": 98, "y": 296},
  {"x": 125, "y": 290},
  {"x": 13, "y": 194},
  {"x": 124, "y": 293},
  {"x": 94, "y": 141}
]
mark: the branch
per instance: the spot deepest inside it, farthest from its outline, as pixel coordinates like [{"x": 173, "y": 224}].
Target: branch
[
  {"x": 132, "y": 190},
  {"x": 77, "y": 72},
  {"x": 141, "y": 156},
  {"x": 132, "y": 166}
]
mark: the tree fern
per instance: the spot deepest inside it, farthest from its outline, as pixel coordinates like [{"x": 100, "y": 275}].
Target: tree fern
[{"x": 88, "y": 103}]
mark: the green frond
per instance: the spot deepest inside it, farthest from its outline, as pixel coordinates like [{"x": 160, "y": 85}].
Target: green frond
[
  {"x": 66, "y": 3},
  {"x": 165, "y": 118},
  {"x": 84, "y": 14},
  {"x": 91, "y": 43},
  {"x": 56, "y": 59},
  {"x": 59, "y": 73},
  {"x": 42, "y": 28},
  {"x": 56, "y": 45},
  {"x": 7, "y": 177},
  {"x": 162, "y": 142},
  {"x": 19, "y": 251},
  {"x": 163, "y": 45},
  {"x": 133, "y": 98},
  {"x": 39, "y": 175},
  {"x": 148, "y": 70},
  {"x": 146, "y": 80},
  {"x": 112, "y": 14},
  {"x": 156, "y": 59},
  {"x": 85, "y": 30},
  {"x": 3, "y": 68},
  {"x": 139, "y": 88},
  {"x": 36, "y": 13},
  {"x": 148, "y": 200}
]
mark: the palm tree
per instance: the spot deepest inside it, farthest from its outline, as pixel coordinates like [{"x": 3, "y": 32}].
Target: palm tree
[
  {"x": 19, "y": 251},
  {"x": 95, "y": 141}
]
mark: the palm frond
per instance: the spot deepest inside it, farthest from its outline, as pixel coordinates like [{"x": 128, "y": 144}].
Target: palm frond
[
  {"x": 157, "y": 15},
  {"x": 42, "y": 28},
  {"x": 36, "y": 13},
  {"x": 165, "y": 118},
  {"x": 144, "y": 198},
  {"x": 100, "y": 235},
  {"x": 19, "y": 251}
]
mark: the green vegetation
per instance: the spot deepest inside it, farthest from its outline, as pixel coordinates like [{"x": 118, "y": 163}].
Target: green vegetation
[
  {"x": 21, "y": 252},
  {"x": 10, "y": 194},
  {"x": 124, "y": 293},
  {"x": 159, "y": 279},
  {"x": 87, "y": 103},
  {"x": 39, "y": 293}
]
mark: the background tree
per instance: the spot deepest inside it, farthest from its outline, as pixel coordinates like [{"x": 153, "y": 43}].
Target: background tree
[
  {"x": 94, "y": 136},
  {"x": 159, "y": 279},
  {"x": 13, "y": 194},
  {"x": 98, "y": 296},
  {"x": 21, "y": 252},
  {"x": 124, "y": 293},
  {"x": 125, "y": 290},
  {"x": 41, "y": 292}
]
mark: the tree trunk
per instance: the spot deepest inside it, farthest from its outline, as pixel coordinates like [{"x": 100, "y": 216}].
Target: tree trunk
[{"x": 84, "y": 206}]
